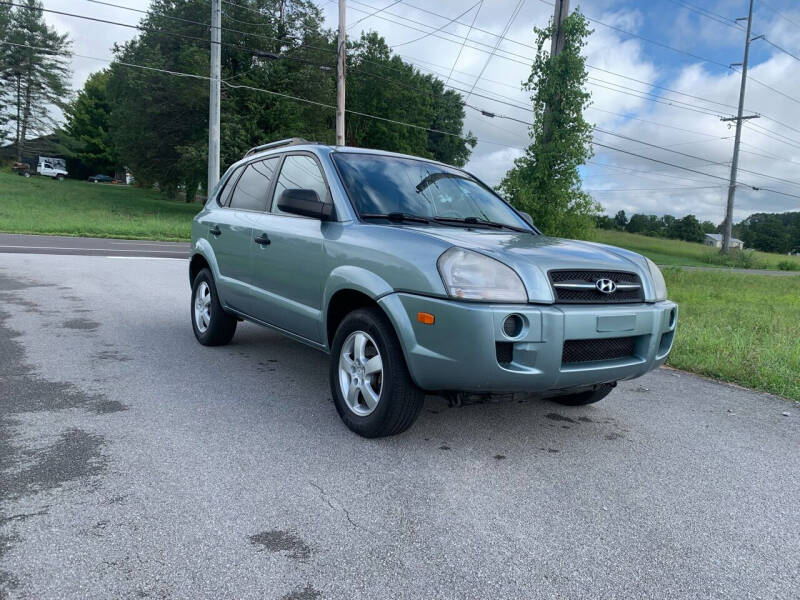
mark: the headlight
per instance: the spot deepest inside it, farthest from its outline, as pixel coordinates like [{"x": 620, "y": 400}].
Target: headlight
[
  {"x": 468, "y": 275},
  {"x": 659, "y": 285}
]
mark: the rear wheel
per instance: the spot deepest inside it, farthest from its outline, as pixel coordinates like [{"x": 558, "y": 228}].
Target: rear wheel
[
  {"x": 211, "y": 324},
  {"x": 587, "y": 397},
  {"x": 370, "y": 383}
]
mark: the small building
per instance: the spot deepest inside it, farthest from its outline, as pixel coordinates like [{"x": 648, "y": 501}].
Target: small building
[{"x": 715, "y": 239}]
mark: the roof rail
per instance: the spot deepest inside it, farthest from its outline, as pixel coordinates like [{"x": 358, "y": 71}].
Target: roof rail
[{"x": 287, "y": 142}]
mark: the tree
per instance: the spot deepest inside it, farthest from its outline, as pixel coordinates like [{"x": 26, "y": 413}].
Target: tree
[
  {"x": 159, "y": 122},
  {"x": 88, "y": 126},
  {"x": 380, "y": 83},
  {"x": 545, "y": 181},
  {"x": 620, "y": 220},
  {"x": 35, "y": 64},
  {"x": 709, "y": 227},
  {"x": 5, "y": 78}
]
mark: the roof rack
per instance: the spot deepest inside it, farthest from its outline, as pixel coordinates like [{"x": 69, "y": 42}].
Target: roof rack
[{"x": 287, "y": 142}]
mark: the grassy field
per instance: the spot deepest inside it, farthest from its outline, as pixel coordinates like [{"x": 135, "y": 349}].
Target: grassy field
[
  {"x": 738, "y": 327},
  {"x": 676, "y": 252},
  {"x": 45, "y": 206}
]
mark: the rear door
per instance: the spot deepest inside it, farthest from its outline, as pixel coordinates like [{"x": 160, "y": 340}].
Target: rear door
[
  {"x": 290, "y": 270},
  {"x": 230, "y": 229}
]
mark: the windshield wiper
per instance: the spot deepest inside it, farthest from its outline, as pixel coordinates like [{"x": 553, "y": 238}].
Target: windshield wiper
[
  {"x": 397, "y": 217},
  {"x": 477, "y": 221}
]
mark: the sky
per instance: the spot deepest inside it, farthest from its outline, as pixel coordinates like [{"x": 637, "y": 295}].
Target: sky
[{"x": 701, "y": 46}]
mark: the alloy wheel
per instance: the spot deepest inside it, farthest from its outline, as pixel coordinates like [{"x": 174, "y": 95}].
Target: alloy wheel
[
  {"x": 202, "y": 307},
  {"x": 360, "y": 373}
]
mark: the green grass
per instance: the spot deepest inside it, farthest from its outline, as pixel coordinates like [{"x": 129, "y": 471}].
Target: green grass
[
  {"x": 676, "y": 252},
  {"x": 738, "y": 327},
  {"x": 78, "y": 208}
]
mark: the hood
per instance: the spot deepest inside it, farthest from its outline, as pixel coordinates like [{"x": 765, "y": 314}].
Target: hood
[{"x": 532, "y": 256}]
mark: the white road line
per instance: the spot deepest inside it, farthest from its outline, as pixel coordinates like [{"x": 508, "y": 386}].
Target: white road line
[
  {"x": 147, "y": 258},
  {"x": 92, "y": 249},
  {"x": 139, "y": 243}
]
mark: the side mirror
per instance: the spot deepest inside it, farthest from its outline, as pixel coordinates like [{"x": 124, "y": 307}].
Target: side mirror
[
  {"x": 526, "y": 216},
  {"x": 305, "y": 203}
]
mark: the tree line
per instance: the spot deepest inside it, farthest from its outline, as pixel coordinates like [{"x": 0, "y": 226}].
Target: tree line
[
  {"x": 771, "y": 232},
  {"x": 279, "y": 81},
  {"x": 687, "y": 228}
]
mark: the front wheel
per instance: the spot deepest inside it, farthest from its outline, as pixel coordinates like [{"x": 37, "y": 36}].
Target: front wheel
[
  {"x": 588, "y": 397},
  {"x": 370, "y": 383},
  {"x": 59, "y": 178},
  {"x": 211, "y": 324}
]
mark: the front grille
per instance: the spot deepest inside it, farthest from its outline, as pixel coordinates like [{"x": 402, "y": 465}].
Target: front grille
[
  {"x": 590, "y": 294},
  {"x": 577, "y": 351}
]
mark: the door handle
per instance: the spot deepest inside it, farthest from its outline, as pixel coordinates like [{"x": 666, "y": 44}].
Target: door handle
[
  {"x": 215, "y": 230},
  {"x": 263, "y": 239}
]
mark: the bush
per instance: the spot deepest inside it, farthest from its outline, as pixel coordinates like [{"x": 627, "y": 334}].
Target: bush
[
  {"x": 740, "y": 259},
  {"x": 789, "y": 265}
]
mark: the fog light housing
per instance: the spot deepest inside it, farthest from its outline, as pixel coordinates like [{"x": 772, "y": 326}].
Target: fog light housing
[{"x": 512, "y": 326}]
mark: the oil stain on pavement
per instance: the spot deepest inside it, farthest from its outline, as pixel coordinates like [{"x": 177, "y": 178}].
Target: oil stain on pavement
[
  {"x": 76, "y": 455},
  {"x": 278, "y": 540}
]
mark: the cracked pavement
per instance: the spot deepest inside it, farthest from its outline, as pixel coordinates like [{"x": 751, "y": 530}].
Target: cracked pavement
[{"x": 135, "y": 463}]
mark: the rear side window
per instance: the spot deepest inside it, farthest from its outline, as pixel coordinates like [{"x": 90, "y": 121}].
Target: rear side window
[
  {"x": 299, "y": 172},
  {"x": 225, "y": 195},
  {"x": 251, "y": 189}
]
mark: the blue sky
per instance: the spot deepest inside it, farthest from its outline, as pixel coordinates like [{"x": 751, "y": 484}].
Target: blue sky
[{"x": 771, "y": 146}]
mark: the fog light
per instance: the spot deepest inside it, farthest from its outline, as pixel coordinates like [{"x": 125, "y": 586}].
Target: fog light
[{"x": 512, "y": 326}]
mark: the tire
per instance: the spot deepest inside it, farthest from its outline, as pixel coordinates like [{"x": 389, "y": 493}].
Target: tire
[
  {"x": 26, "y": 174},
  {"x": 219, "y": 325},
  {"x": 399, "y": 400},
  {"x": 59, "y": 178},
  {"x": 587, "y": 397}
]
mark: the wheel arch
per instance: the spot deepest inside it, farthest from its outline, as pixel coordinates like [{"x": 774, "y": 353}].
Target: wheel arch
[
  {"x": 349, "y": 288},
  {"x": 202, "y": 257}
]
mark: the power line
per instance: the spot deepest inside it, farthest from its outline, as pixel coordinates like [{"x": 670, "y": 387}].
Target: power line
[
  {"x": 466, "y": 37},
  {"x": 708, "y": 14},
  {"x": 450, "y": 22},
  {"x": 372, "y": 14},
  {"x": 513, "y": 16},
  {"x": 658, "y": 189},
  {"x": 775, "y": 10}
]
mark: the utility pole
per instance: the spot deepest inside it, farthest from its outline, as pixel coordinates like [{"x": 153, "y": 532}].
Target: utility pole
[
  {"x": 728, "y": 225},
  {"x": 214, "y": 93},
  {"x": 560, "y": 13},
  {"x": 341, "y": 62}
]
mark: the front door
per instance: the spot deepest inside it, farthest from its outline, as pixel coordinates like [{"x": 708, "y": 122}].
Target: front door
[{"x": 290, "y": 270}]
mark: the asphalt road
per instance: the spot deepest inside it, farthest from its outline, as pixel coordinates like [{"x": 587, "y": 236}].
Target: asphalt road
[
  {"x": 12, "y": 243},
  {"x": 138, "y": 464}
]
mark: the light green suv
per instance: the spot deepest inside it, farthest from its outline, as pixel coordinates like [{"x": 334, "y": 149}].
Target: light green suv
[{"x": 416, "y": 277}]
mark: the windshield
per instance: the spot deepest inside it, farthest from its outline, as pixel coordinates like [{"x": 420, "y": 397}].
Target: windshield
[{"x": 384, "y": 185}]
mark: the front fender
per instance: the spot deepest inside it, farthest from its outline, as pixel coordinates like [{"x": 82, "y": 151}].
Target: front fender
[{"x": 349, "y": 277}]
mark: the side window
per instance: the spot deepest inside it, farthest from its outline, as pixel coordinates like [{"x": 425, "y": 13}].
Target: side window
[
  {"x": 225, "y": 195},
  {"x": 252, "y": 187},
  {"x": 299, "y": 172}
]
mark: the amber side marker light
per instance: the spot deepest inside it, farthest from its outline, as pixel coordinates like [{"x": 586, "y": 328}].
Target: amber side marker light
[{"x": 426, "y": 318}]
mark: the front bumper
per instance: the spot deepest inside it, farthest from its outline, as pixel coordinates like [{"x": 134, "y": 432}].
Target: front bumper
[{"x": 460, "y": 350}]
